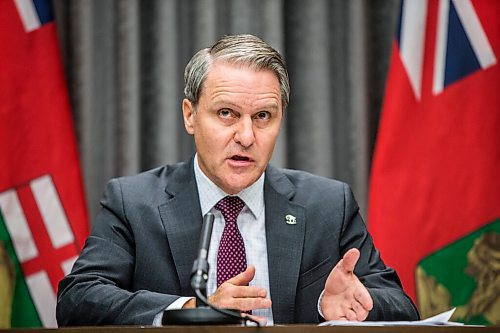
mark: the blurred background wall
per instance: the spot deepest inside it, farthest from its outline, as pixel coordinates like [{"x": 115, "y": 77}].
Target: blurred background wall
[{"x": 124, "y": 62}]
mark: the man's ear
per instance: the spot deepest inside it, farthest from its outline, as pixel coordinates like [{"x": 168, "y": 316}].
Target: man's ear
[{"x": 188, "y": 112}]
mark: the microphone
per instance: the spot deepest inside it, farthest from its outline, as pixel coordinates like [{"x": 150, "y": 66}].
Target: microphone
[
  {"x": 199, "y": 273},
  {"x": 204, "y": 313}
]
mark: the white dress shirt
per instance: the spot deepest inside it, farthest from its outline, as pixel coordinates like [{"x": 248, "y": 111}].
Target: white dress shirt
[{"x": 251, "y": 223}]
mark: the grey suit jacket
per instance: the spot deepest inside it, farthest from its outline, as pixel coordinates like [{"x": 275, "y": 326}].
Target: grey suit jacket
[{"x": 139, "y": 255}]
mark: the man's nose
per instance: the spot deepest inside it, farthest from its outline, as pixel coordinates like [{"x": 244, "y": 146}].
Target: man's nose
[{"x": 245, "y": 135}]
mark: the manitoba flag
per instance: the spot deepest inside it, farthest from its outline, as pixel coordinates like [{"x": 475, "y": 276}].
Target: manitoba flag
[
  {"x": 434, "y": 203},
  {"x": 43, "y": 219}
]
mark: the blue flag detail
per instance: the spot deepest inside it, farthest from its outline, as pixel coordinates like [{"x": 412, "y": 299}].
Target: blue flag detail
[
  {"x": 44, "y": 11},
  {"x": 461, "y": 59}
]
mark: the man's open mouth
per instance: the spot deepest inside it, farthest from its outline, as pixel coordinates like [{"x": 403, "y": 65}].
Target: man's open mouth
[{"x": 240, "y": 158}]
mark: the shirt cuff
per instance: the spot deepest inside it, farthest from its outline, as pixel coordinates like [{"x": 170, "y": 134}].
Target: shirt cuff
[
  {"x": 319, "y": 304},
  {"x": 175, "y": 305}
]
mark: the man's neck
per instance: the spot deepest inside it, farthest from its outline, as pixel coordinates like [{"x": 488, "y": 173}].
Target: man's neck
[{"x": 210, "y": 193}]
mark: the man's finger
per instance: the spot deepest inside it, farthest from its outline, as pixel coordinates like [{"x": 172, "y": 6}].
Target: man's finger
[
  {"x": 244, "y": 278},
  {"x": 362, "y": 315},
  {"x": 350, "y": 315},
  {"x": 361, "y": 312},
  {"x": 364, "y": 298},
  {"x": 249, "y": 291},
  {"x": 247, "y": 304},
  {"x": 244, "y": 303},
  {"x": 349, "y": 260},
  {"x": 356, "y": 306},
  {"x": 227, "y": 299}
]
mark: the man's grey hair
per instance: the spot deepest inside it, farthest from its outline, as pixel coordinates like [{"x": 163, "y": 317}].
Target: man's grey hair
[{"x": 247, "y": 50}]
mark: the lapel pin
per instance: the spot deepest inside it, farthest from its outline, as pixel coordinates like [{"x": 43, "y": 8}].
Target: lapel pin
[{"x": 290, "y": 219}]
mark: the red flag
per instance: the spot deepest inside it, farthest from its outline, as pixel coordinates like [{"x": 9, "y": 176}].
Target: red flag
[
  {"x": 43, "y": 220},
  {"x": 436, "y": 171}
]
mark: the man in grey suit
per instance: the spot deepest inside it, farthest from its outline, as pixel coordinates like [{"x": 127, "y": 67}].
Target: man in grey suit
[{"x": 307, "y": 255}]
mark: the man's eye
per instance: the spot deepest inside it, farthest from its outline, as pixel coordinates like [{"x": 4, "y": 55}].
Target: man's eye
[
  {"x": 263, "y": 115},
  {"x": 224, "y": 113}
]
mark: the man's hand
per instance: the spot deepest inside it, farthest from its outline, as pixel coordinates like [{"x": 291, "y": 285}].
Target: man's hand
[
  {"x": 345, "y": 297},
  {"x": 236, "y": 294}
]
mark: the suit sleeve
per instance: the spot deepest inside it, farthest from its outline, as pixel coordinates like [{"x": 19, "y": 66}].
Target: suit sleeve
[
  {"x": 99, "y": 290},
  {"x": 389, "y": 300}
]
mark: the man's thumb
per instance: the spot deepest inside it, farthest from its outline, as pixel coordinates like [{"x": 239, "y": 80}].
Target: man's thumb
[
  {"x": 349, "y": 260},
  {"x": 244, "y": 278}
]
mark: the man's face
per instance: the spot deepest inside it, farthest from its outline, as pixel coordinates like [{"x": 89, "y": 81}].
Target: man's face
[{"x": 235, "y": 124}]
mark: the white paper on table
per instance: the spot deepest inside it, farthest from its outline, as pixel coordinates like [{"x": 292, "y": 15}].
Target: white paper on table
[{"x": 441, "y": 319}]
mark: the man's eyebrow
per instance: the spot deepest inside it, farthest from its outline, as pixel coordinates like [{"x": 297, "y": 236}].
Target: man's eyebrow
[
  {"x": 272, "y": 106},
  {"x": 225, "y": 103}
]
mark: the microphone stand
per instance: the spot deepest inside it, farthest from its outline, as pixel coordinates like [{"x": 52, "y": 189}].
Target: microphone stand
[{"x": 204, "y": 313}]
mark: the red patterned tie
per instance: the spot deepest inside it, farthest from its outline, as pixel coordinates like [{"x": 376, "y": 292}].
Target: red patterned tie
[{"x": 231, "y": 258}]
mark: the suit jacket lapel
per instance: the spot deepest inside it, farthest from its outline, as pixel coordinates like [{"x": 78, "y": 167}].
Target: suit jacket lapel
[
  {"x": 284, "y": 243},
  {"x": 182, "y": 219}
]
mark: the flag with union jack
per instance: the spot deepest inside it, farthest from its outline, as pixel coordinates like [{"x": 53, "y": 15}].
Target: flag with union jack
[
  {"x": 434, "y": 203},
  {"x": 43, "y": 217}
]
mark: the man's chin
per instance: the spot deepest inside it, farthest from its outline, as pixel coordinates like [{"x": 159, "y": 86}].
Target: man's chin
[{"x": 234, "y": 187}]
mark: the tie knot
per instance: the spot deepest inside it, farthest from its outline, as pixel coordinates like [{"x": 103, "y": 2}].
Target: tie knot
[{"x": 230, "y": 207}]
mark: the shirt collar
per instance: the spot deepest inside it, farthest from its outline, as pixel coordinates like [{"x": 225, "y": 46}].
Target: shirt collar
[{"x": 210, "y": 194}]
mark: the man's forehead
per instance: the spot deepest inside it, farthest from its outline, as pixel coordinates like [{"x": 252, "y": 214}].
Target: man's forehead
[{"x": 223, "y": 75}]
